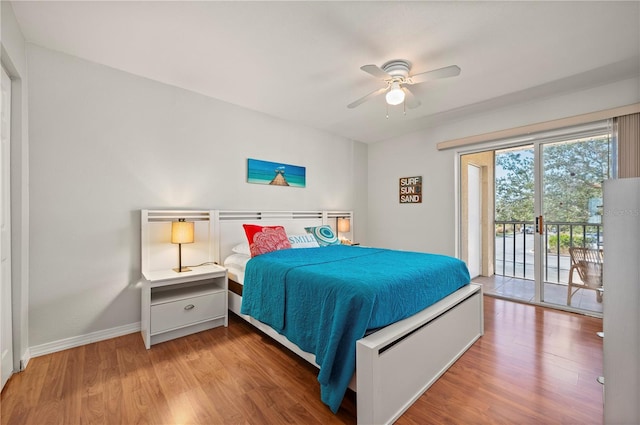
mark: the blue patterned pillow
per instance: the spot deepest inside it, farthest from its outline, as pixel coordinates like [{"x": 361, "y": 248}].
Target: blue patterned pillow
[{"x": 324, "y": 235}]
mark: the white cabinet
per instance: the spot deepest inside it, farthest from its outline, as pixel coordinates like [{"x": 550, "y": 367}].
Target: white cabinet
[
  {"x": 177, "y": 304},
  {"x": 621, "y": 318}
]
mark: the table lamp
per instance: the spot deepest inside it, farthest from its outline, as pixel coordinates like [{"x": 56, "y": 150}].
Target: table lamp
[
  {"x": 343, "y": 225},
  {"x": 181, "y": 232}
]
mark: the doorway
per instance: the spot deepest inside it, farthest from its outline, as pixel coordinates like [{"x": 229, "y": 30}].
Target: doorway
[
  {"x": 474, "y": 196},
  {"x": 476, "y": 212},
  {"x": 547, "y": 202}
]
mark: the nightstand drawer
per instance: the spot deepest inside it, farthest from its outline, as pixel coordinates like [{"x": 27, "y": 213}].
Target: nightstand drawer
[{"x": 185, "y": 311}]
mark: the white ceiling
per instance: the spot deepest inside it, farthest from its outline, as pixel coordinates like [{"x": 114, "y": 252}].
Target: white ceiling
[{"x": 300, "y": 61}]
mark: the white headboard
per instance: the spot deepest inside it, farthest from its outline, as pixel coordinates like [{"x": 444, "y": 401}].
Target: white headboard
[{"x": 228, "y": 231}]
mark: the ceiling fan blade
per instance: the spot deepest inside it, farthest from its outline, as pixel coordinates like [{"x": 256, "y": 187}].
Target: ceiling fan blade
[
  {"x": 367, "y": 97},
  {"x": 376, "y": 71},
  {"x": 410, "y": 100},
  {"x": 447, "y": 71}
]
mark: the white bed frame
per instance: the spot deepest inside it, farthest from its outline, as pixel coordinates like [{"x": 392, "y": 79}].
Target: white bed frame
[{"x": 394, "y": 365}]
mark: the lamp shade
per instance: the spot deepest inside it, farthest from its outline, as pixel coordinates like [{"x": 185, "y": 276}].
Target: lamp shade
[
  {"x": 182, "y": 231},
  {"x": 395, "y": 96},
  {"x": 344, "y": 225}
]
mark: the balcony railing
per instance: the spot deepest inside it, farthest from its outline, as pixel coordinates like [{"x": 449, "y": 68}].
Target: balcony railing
[{"x": 514, "y": 247}]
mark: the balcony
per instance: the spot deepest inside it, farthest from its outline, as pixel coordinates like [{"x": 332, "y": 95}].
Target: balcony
[{"x": 514, "y": 261}]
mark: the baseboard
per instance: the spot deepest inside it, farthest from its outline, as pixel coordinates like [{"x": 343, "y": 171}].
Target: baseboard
[{"x": 76, "y": 341}]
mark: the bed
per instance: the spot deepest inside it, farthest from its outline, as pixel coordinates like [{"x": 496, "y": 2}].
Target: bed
[{"x": 399, "y": 353}]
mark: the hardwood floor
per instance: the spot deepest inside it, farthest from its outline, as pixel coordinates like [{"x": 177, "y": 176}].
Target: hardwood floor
[{"x": 532, "y": 366}]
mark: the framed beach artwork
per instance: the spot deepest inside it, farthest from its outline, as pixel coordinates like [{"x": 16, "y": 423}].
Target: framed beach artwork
[{"x": 275, "y": 173}]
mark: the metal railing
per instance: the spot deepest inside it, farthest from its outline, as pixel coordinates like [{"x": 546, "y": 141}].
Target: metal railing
[{"x": 514, "y": 247}]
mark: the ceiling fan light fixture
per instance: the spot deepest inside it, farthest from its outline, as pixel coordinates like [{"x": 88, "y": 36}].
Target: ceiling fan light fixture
[
  {"x": 397, "y": 78},
  {"x": 395, "y": 95}
]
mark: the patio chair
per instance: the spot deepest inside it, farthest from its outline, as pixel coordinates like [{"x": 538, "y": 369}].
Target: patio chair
[{"x": 588, "y": 263}]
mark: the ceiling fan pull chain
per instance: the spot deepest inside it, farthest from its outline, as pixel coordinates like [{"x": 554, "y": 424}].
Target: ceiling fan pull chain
[{"x": 387, "y": 105}]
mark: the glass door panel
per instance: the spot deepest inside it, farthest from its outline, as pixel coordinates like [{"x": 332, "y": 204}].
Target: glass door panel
[
  {"x": 572, "y": 173},
  {"x": 514, "y": 220}
]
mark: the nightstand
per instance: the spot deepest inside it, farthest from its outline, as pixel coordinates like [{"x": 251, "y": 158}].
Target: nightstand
[{"x": 178, "y": 304}]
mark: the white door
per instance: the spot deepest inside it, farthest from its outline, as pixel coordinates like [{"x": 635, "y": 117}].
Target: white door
[
  {"x": 6, "y": 340},
  {"x": 474, "y": 197}
]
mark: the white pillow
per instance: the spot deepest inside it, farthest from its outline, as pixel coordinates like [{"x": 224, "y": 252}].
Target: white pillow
[
  {"x": 237, "y": 260},
  {"x": 242, "y": 248},
  {"x": 303, "y": 241}
]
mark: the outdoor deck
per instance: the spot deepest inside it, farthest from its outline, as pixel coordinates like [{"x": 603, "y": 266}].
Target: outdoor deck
[{"x": 523, "y": 289}]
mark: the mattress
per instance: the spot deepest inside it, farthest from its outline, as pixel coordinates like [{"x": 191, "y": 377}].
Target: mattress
[{"x": 325, "y": 299}]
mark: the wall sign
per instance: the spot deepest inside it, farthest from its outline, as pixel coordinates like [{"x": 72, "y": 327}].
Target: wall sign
[{"x": 411, "y": 190}]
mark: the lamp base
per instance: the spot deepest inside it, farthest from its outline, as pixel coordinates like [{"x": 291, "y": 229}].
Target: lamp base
[{"x": 181, "y": 269}]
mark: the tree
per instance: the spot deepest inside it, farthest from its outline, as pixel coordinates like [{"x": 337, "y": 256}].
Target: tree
[
  {"x": 574, "y": 172},
  {"x": 514, "y": 190},
  {"x": 573, "y": 175}
]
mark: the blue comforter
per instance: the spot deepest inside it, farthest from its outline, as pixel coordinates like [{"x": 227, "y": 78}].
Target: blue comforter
[{"x": 325, "y": 299}]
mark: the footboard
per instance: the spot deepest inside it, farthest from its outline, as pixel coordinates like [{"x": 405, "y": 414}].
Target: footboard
[{"x": 397, "y": 364}]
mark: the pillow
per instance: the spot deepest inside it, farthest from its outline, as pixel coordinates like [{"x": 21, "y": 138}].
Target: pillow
[
  {"x": 238, "y": 261},
  {"x": 242, "y": 248},
  {"x": 324, "y": 235},
  {"x": 303, "y": 241},
  {"x": 263, "y": 239}
]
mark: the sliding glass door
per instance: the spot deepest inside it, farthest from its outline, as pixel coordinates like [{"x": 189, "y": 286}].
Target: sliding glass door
[{"x": 547, "y": 197}]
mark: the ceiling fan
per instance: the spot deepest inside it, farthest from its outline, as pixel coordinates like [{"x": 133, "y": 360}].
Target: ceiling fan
[{"x": 396, "y": 77}]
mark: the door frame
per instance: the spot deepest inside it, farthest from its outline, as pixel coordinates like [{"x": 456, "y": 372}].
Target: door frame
[
  {"x": 6, "y": 311},
  {"x": 19, "y": 209}
]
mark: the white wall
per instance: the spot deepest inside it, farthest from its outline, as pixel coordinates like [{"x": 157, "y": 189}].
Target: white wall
[
  {"x": 105, "y": 144},
  {"x": 430, "y": 226},
  {"x": 15, "y": 63}
]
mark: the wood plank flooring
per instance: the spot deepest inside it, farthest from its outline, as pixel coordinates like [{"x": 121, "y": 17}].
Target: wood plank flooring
[{"x": 532, "y": 366}]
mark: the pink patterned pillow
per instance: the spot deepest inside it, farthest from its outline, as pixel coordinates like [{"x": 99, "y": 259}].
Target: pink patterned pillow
[{"x": 263, "y": 239}]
